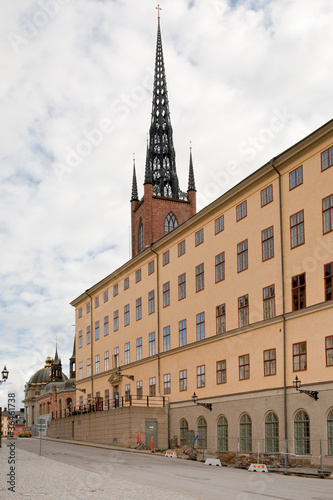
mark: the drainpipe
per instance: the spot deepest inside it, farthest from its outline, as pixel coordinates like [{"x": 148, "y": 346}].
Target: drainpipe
[
  {"x": 283, "y": 312},
  {"x": 158, "y": 337},
  {"x": 91, "y": 345},
  {"x": 158, "y": 321}
]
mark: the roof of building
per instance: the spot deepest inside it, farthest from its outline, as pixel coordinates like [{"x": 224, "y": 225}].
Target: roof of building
[{"x": 43, "y": 376}]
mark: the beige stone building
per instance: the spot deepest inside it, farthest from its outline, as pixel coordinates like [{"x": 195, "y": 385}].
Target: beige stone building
[{"x": 229, "y": 305}]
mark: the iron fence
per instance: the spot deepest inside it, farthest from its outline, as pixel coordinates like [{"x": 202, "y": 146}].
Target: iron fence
[
  {"x": 98, "y": 404},
  {"x": 302, "y": 455}
]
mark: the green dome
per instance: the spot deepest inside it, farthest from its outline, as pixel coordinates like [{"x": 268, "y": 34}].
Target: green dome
[{"x": 43, "y": 376}]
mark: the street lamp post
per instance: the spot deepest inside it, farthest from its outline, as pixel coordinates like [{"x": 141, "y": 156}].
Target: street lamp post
[
  {"x": 4, "y": 375},
  {"x": 297, "y": 384},
  {"x": 209, "y": 406}
]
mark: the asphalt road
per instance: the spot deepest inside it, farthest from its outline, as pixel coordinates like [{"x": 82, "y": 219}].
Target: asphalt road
[{"x": 194, "y": 479}]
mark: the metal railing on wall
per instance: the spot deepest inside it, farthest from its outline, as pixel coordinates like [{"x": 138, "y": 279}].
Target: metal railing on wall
[{"x": 98, "y": 404}]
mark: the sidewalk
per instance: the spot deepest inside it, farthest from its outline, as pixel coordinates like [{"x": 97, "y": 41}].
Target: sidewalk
[{"x": 41, "y": 477}]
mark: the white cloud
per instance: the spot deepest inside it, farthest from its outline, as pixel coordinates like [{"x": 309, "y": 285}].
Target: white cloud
[{"x": 233, "y": 69}]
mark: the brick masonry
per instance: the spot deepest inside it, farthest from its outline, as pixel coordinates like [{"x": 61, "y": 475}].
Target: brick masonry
[{"x": 153, "y": 210}]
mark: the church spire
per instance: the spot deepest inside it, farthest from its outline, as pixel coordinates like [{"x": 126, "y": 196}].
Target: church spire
[
  {"x": 135, "y": 196},
  {"x": 161, "y": 158},
  {"x": 191, "y": 181}
]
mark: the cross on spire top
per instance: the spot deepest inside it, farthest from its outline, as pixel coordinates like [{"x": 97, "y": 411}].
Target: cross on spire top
[{"x": 158, "y": 10}]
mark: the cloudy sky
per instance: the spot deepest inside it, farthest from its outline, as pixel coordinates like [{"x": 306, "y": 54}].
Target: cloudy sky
[{"x": 246, "y": 80}]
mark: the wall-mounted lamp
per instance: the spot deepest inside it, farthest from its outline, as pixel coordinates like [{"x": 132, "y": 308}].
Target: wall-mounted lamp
[
  {"x": 209, "y": 406},
  {"x": 297, "y": 384}
]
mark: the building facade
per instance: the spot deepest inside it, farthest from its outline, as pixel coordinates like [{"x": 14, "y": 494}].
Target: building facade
[{"x": 227, "y": 305}]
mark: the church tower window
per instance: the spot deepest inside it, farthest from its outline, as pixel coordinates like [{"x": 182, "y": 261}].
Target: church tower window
[{"x": 170, "y": 223}]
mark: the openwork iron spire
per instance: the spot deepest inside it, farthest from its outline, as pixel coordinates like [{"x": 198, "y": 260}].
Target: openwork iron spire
[
  {"x": 135, "y": 196},
  {"x": 191, "y": 181},
  {"x": 161, "y": 158}
]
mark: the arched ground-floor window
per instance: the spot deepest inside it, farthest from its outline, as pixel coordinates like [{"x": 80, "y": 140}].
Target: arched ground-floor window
[
  {"x": 302, "y": 433},
  {"x": 202, "y": 433},
  {"x": 330, "y": 432},
  {"x": 245, "y": 433},
  {"x": 183, "y": 432},
  {"x": 272, "y": 433},
  {"x": 222, "y": 434}
]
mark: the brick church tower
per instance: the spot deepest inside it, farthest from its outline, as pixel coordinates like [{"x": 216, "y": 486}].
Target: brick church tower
[{"x": 163, "y": 206}]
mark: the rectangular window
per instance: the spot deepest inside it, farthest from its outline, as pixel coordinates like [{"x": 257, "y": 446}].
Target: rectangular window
[
  {"x": 219, "y": 224},
  {"x": 328, "y": 214},
  {"x": 201, "y": 381},
  {"x": 182, "y": 332},
  {"x": 298, "y": 292},
  {"x": 152, "y": 344},
  {"x": 220, "y": 319},
  {"x": 167, "y": 383},
  {"x": 327, "y": 158},
  {"x": 328, "y": 275},
  {"x": 106, "y": 325},
  {"x": 80, "y": 338},
  {"x": 137, "y": 275},
  {"x": 80, "y": 312},
  {"x": 88, "y": 335},
  {"x": 299, "y": 356},
  {"x": 243, "y": 311},
  {"x": 183, "y": 380},
  {"x": 139, "y": 348},
  {"x": 139, "y": 392},
  {"x": 270, "y": 362},
  {"x": 106, "y": 361},
  {"x": 152, "y": 386},
  {"x": 267, "y": 242},
  {"x": 126, "y": 315},
  {"x": 80, "y": 370},
  {"x": 219, "y": 267},
  {"x": 126, "y": 283},
  {"x": 97, "y": 364},
  {"x": 127, "y": 392},
  {"x": 151, "y": 267},
  {"x": 181, "y": 248},
  {"x": 166, "y": 294},
  {"x": 199, "y": 237},
  {"x": 266, "y": 195},
  {"x": 116, "y": 357},
  {"x": 115, "y": 290},
  {"x": 166, "y": 258},
  {"x": 329, "y": 350},
  {"x": 166, "y": 338},
  {"x": 244, "y": 367},
  {"x": 151, "y": 302},
  {"x": 138, "y": 309},
  {"x": 96, "y": 330},
  {"x": 89, "y": 367},
  {"x": 116, "y": 320},
  {"x": 201, "y": 326},
  {"x": 221, "y": 372},
  {"x": 96, "y": 302},
  {"x": 127, "y": 353},
  {"x": 199, "y": 277},
  {"x": 296, "y": 177},
  {"x": 88, "y": 307},
  {"x": 269, "y": 301},
  {"x": 297, "y": 229},
  {"x": 241, "y": 210},
  {"x": 106, "y": 396},
  {"x": 242, "y": 256},
  {"x": 182, "y": 286},
  {"x": 106, "y": 296}
]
